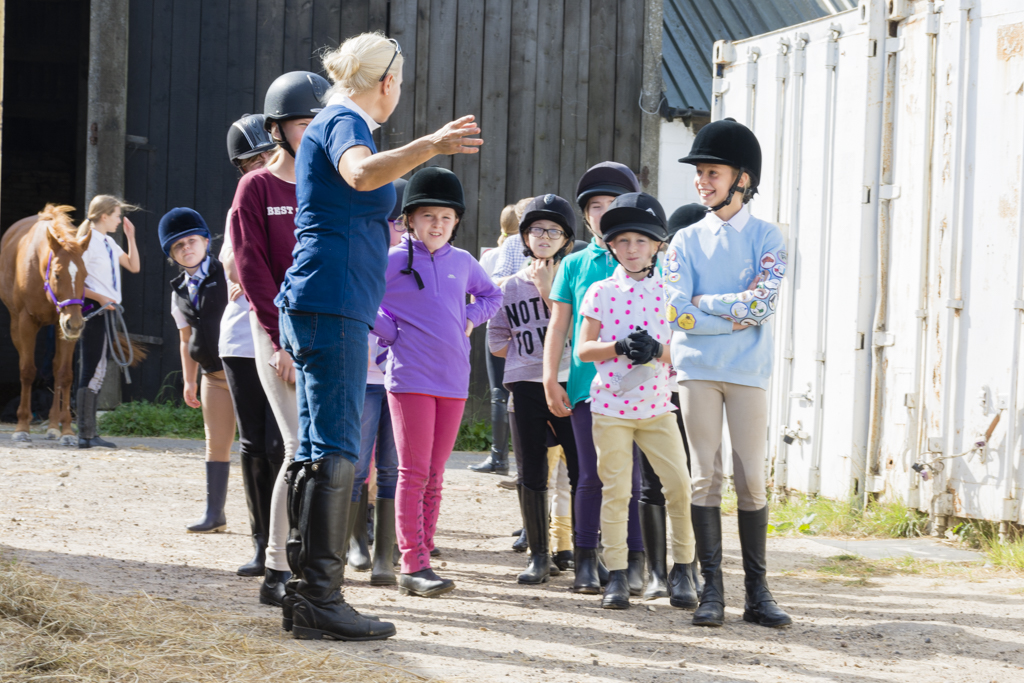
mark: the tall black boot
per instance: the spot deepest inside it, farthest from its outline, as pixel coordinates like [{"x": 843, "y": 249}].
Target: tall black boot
[
  {"x": 383, "y": 573},
  {"x": 258, "y": 476},
  {"x": 535, "y": 513},
  {"x": 358, "y": 541},
  {"x": 319, "y": 609},
  {"x": 652, "y": 527},
  {"x": 297, "y": 476},
  {"x": 216, "y": 494},
  {"x": 85, "y": 402},
  {"x": 497, "y": 459},
  {"x": 522, "y": 543},
  {"x": 707, "y": 528},
  {"x": 586, "y": 580},
  {"x": 635, "y": 572},
  {"x": 759, "y": 607}
]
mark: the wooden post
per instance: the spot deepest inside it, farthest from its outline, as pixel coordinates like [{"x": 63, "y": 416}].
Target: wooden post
[
  {"x": 650, "y": 97},
  {"x": 106, "y": 119}
]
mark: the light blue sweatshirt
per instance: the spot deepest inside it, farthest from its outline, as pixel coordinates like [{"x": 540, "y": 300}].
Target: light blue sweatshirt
[{"x": 720, "y": 260}]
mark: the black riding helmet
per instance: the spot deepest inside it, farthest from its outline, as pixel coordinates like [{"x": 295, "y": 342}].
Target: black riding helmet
[
  {"x": 684, "y": 217},
  {"x": 606, "y": 178},
  {"x": 247, "y": 137},
  {"x": 553, "y": 208},
  {"x": 432, "y": 186},
  {"x": 294, "y": 95},
  {"x": 733, "y": 144},
  {"x": 635, "y": 212}
]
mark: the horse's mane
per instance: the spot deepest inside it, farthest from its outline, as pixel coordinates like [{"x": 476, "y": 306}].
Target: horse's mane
[{"x": 60, "y": 215}]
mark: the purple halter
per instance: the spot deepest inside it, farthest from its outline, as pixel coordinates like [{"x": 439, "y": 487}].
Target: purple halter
[{"x": 49, "y": 290}]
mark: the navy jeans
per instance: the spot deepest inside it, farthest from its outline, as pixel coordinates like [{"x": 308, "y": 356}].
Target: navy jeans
[
  {"x": 377, "y": 430},
  {"x": 330, "y": 354}
]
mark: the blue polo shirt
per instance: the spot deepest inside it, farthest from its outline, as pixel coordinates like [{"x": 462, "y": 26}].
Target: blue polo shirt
[{"x": 342, "y": 235}]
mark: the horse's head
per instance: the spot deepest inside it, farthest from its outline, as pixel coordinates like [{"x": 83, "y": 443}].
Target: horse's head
[{"x": 65, "y": 269}]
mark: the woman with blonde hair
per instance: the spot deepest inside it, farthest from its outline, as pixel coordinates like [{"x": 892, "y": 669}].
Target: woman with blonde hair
[
  {"x": 103, "y": 261},
  {"x": 329, "y": 300}
]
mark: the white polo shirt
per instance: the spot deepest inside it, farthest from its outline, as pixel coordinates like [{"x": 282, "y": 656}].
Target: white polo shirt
[{"x": 103, "y": 266}]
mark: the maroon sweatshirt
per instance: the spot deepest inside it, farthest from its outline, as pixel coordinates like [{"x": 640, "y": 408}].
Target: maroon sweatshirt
[{"x": 262, "y": 224}]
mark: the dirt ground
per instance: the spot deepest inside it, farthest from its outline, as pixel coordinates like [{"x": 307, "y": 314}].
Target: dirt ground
[{"x": 115, "y": 520}]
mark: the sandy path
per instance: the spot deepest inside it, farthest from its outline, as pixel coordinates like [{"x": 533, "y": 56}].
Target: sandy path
[{"x": 115, "y": 520}]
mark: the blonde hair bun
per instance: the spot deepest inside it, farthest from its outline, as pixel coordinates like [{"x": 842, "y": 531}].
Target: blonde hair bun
[{"x": 357, "y": 64}]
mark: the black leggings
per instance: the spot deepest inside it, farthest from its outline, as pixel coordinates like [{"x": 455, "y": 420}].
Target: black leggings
[
  {"x": 650, "y": 491},
  {"x": 258, "y": 433},
  {"x": 92, "y": 348},
  {"x": 532, "y": 419}
]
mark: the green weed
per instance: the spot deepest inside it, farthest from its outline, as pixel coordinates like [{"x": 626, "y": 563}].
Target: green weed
[
  {"x": 474, "y": 436},
  {"x": 984, "y": 536},
  {"x": 824, "y": 517},
  {"x": 142, "y": 418}
]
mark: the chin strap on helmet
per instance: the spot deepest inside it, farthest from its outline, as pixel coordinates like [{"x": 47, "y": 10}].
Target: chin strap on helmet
[
  {"x": 411, "y": 270},
  {"x": 649, "y": 269},
  {"x": 732, "y": 190}
]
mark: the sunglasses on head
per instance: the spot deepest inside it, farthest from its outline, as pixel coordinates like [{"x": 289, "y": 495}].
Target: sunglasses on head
[{"x": 398, "y": 51}]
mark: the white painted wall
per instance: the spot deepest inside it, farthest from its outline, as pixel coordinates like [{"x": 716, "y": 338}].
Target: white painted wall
[{"x": 675, "y": 180}]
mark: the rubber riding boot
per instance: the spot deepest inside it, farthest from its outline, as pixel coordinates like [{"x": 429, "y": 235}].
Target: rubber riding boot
[
  {"x": 495, "y": 463},
  {"x": 216, "y": 493},
  {"x": 371, "y": 521},
  {"x": 586, "y": 580},
  {"x": 497, "y": 459},
  {"x": 616, "y": 595},
  {"x": 319, "y": 609},
  {"x": 383, "y": 573},
  {"x": 707, "y": 528},
  {"x": 652, "y": 527},
  {"x": 682, "y": 593},
  {"x": 258, "y": 475},
  {"x": 535, "y": 512},
  {"x": 87, "y": 430},
  {"x": 564, "y": 560},
  {"x": 272, "y": 589},
  {"x": 759, "y": 607},
  {"x": 424, "y": 584},
  {"x": 635, "y": 572},
  {"x": 358, "y": 543}
]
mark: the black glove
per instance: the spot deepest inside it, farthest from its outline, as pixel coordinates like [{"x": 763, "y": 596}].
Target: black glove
[
  {"x": 642, "y": 347},
  {"x": 622, "y": 347}
]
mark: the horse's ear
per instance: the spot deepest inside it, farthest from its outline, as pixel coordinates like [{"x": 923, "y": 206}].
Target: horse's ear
[
  {"x": 84, "y": 242},
  {"x": 56, "y": 242}
]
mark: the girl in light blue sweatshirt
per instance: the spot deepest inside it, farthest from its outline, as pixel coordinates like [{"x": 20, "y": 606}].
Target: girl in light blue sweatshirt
[{"x": 722, "y": 276}]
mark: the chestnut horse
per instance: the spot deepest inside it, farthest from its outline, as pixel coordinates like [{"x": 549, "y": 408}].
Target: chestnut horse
[{"x": 42, "y": 278}]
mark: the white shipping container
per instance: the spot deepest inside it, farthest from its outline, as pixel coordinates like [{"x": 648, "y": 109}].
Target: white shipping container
[{"x": 893, "y": 144}]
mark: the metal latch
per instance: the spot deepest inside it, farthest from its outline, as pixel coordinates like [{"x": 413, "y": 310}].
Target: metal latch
[
  {"x": 884, "y": 339},
  {"x": 955, "y": 303},
  {"x": 889, "y": 192}
]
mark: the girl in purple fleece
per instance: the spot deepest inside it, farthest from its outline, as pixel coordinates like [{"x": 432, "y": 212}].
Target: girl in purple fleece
[{"x": 426, "y": 322}]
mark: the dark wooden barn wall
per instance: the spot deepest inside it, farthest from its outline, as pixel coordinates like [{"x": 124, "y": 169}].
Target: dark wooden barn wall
[{"x": 553, "y": 83}]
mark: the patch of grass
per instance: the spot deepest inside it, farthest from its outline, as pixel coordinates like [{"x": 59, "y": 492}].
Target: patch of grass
[
  {"x": 821, "y": 516},
  {"x": 474, "y": 436},
  {"x": 142, "y": 418},
  {"x": 730, "y": 503},
  {"x": 984, "y": 536}
]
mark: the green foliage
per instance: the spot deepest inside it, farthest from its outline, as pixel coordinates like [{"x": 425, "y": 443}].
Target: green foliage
[
  {"x": 142, "y": 418},
  {"x": 984, "y": 536},
  {"x": 475, "y": 436},
  {"x": 821, "y": 516}
]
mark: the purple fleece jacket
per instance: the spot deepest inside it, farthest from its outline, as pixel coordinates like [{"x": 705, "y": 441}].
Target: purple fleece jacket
[{"x": 429, "y": 351}]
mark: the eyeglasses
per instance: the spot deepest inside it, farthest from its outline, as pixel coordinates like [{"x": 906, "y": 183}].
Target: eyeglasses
[
  {"x": 398, "y": 51},
  {"x": 553, "y": 233},
  {"x": 398, "y": 225}
]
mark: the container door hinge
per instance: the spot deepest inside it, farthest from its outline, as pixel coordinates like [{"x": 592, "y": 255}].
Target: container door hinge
[
  {"x": 889, "y": 192},
  {"x": 884, "y": 339},
  {"x": 858, "y": 341},
  {"x": 893, "y": 44},
  {"x": 865, "y": 195},
  {"x": 955, "y": 303},
  {"x": 875, "y": 483},
  {"x": 910, "y": 400}
]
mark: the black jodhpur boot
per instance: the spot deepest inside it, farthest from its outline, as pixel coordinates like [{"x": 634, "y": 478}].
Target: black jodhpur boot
[
  {"x": 652, "y": 526},
  {"x": 318, "y": 607},
  {"x": 707, "y": 527},
  {"x": 759, "y": 606},
  {"x": 497, "y": 459},
  {"x": 383, "y": 572},
  {"x": 616, "y": 594},
  {"x": 522, "y": 543},
  {"x": 85, "y": 407},
  {"x": 258, "y": 477},
  {"x": 535, "y": 513},
  {"x": 586, "y": 580},
  {"x": 213, "y": 519},
  {"x": 358, "y": 540}
]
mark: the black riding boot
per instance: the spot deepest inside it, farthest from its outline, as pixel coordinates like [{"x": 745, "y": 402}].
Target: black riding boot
[
  {"x": 635, "y": 572},
  {"x": 213, "y": 519},
  {"x": 682, "y": 591},
  {"x": 258, "y": 476},
  {"x": 586, "y": 580},
  {"x": 616, "y": 595},
  {"x": 652, "y": 527},
  {"x": 497, "y": 460},
  {"x": 759, "y": 607},
  {"x": 522, "y": 543},
  {"x": 535, "y": 512},
  {"x": 272, "y": 590},
  {"x": 318, "y": 608},
  {"x": 707, "y": 527},
  {"x": 358, "y": 540},
  {"x": 383, "y": 573},
  {"x": 85, "y": 402}
]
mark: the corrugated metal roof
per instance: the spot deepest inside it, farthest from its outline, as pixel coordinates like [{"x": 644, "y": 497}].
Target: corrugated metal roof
[{"x": 691, "y": 28}]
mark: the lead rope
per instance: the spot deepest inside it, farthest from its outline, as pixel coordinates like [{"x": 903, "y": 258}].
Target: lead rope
[{"x": 112, "y": 321}]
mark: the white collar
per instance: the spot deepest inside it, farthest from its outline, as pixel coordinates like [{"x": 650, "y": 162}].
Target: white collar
[
  {"x": 203, "y": 272},
  {"x": 625, "y": 281},
  {"x": 737, "y": 222},
  {"x": 346, "y": 101}
]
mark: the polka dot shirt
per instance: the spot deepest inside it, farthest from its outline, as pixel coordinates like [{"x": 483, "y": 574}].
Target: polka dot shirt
[{"x": 622, "y": 304}]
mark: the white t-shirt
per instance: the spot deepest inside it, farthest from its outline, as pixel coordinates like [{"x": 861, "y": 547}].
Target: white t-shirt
[
  {"x": 103, "y": 266},
  {"x": 235, "y": 333},
  {"x": 374, "y": 375}
]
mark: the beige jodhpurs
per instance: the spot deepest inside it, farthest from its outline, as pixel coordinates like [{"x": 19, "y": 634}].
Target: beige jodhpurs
[
  {"x": 746, "y": 409},
  {"x": 218, "y": 416}
]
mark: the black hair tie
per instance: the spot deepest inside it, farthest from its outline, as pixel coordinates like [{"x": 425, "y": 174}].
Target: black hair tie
[{"x": 410, "y": 269}]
